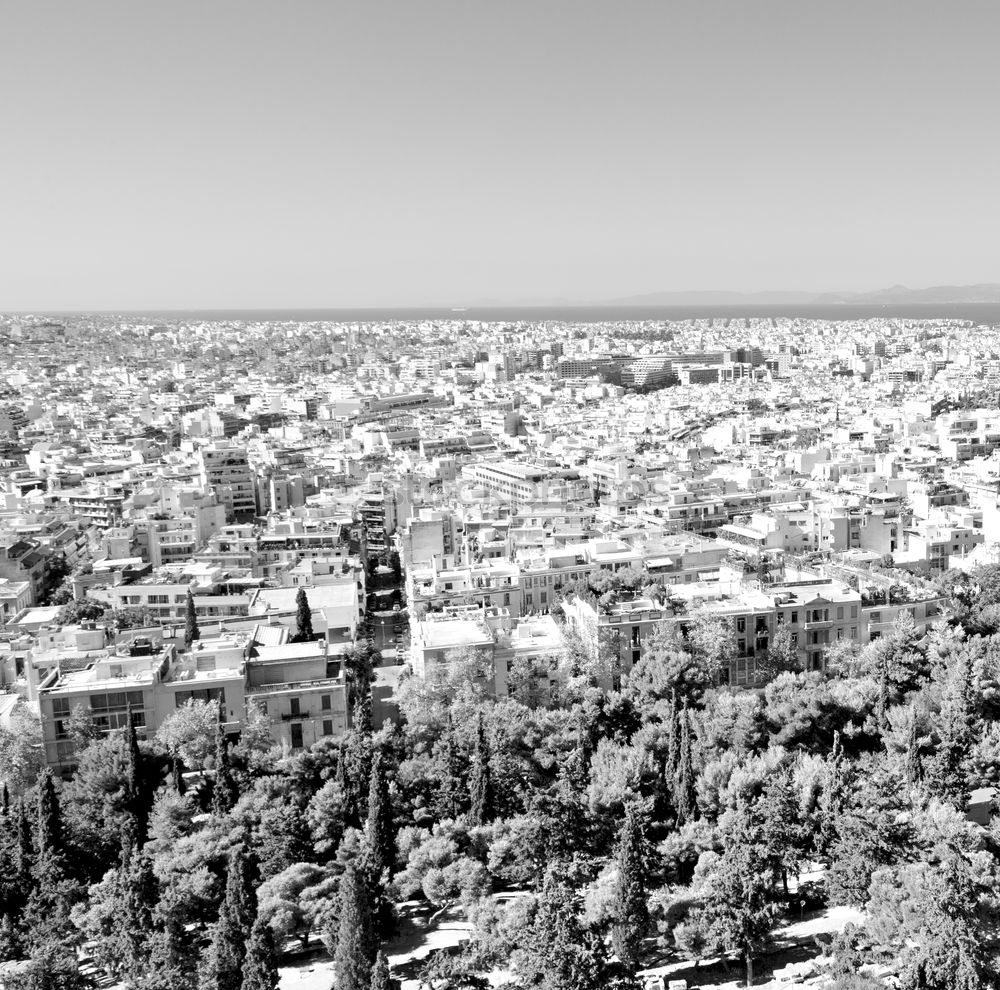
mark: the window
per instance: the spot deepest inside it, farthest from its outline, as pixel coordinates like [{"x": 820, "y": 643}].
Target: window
[
  {"x": 294, "y": 706},
  {"x": 324, "y": 703},
  {"x": 741, "y": 624},
  {"x": 328, "y": 727},
  {"x": 795, "y": 617},
  {"x": 296, "y": 736},
  {"x": 840, "y": 612}
]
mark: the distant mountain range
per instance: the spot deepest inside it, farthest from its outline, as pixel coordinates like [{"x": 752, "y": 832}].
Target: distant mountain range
[{"x": 984, "y": 293}]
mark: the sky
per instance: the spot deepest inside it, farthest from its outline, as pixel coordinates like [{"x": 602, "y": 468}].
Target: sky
[{"x": 318, "y": 153}]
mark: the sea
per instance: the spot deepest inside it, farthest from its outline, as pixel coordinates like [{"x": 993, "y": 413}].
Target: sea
[{"x": 977, "y": 313}]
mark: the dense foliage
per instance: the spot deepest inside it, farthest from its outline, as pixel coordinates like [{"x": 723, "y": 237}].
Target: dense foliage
[{"x": 670, "y": 819}]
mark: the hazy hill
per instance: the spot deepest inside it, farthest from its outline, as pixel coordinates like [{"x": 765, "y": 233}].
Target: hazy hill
[{"x": 984, "y": 293}]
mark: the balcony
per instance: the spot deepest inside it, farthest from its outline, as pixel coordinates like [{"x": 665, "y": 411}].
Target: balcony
[
  {"x": 817, "y": 624},
  {"x": 320, "y": 683}
]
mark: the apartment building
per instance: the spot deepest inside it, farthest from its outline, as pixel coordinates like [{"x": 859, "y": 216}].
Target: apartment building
[
  {"x": 301, "y": 689},
  {"x": 818, "y": 613},
  {"x": 223, "y": 467},
  {"x": 15, "y": 596},
  {"x": 445, "y": 583}
]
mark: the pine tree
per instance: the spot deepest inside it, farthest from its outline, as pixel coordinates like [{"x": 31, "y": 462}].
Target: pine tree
[
  {"x": 481, "y": 794},
  {"x": 739, "y": 906},
  {"x": 50, "y": 830},
  {"x": 191, "y": 630},
  {"x": 381, "y": 979},
  {"x": 685, "y": 795},
  {"x": 630, "y": 908},
  {"x": 260, "y": 969},
  {"x": 379, "y": 832},
  {"x": 303, "y": 617},
  {"x": 355, "y": 950}
]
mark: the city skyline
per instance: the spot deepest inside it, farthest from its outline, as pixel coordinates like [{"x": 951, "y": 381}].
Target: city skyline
[{"x": 451, "y": 155}]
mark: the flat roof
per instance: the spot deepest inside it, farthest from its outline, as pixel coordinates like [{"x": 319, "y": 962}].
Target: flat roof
[
  {"x": 320, "y": 597},
  {"x": 437, "y": 635}
]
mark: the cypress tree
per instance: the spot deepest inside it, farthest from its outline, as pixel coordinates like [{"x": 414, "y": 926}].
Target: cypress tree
[
  {"x": 630, "y": 908},
  {"x": 139, "y": 895},
  {"x": 946, "y": 774},
  {"x": 448, "y": 801},
  {"x": 672, "y": 761},
  {"x": 557, "y": 951},
  {"x": 241, "y": 896},
  {"x": 303, "y": 617},
  {"x": 177, "y": 775},
  {"x": 224, "y": 791},
  {"x": 260, "y": 969},
  {"x": 380, "y": 973},
  {"x": 363, "y": 714},
  {"x": 50, "y": 830},
  {"x": 481, "y": 794},
  {"x": 223, "y": 961},
  {"x": 23, "y": 853},
  {"x": 355, "y": 950},
  {"x": 133, "y": 779},
  {"x": 170, "y": 962},
  {"x": 5, "y": 801},
  {"x": 882, "y": 704},
  {"x": 685, "y": 795},
  {"x": 223, "y": 964},
  {"x": 379, "y": 832},
  {"x": 914, "y": 767},
  {"x": 191, "y": 630},
  {"x": 832, "y": 798}
]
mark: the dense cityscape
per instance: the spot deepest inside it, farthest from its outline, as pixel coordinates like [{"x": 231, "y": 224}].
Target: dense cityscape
[{"x": 452, "y": 654}]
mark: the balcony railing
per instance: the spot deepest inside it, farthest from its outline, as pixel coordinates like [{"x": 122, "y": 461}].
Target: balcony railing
[
  {"x": 817, "y": 624},
  {"x": 319, "y": 682}
]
